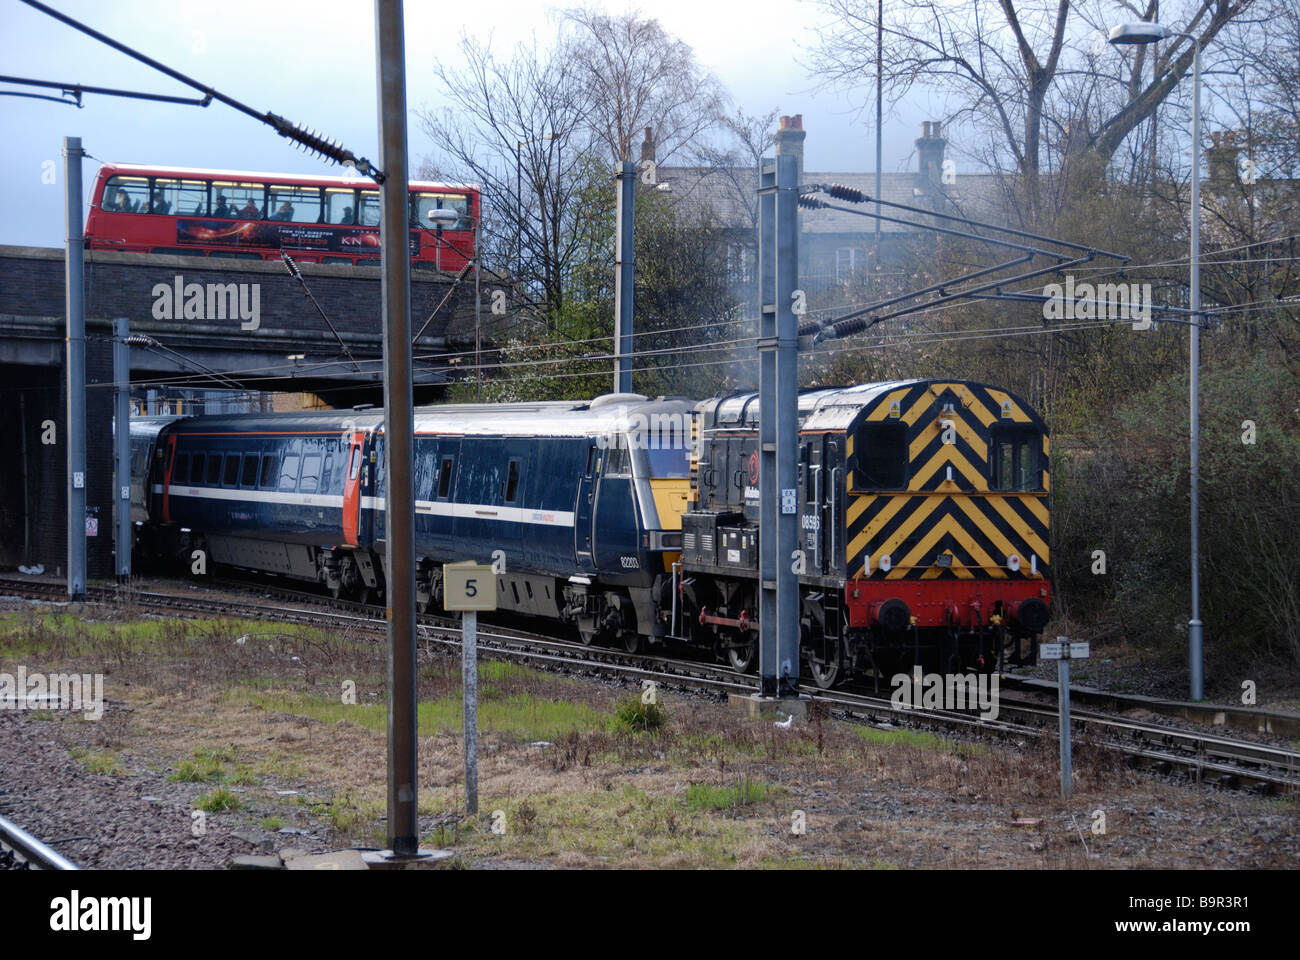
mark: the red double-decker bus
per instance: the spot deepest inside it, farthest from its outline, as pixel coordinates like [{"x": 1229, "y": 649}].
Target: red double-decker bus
[{"x": 234, "y": 213}]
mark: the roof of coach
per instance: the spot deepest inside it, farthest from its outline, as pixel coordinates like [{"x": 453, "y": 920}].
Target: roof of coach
[{"x": 609, "y": 413}]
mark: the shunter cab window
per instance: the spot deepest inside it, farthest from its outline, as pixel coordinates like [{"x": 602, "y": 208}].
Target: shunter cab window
[
  {"x": 1014, "y": 460},
  {"x": 881, "y": 449},
  {"x": 249, "y": 477}
]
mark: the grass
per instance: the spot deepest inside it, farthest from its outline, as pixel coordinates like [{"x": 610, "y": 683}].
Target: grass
[
  {"x": 207, "y": 765},
  {"x": 219, "y": 800},
  {"x": 702, "y": 796},
  {"x": 920, "y": 739},
  {"x": 273, "y": 824},
  {"x": 519, "y": 715},
  {"x": 636, "y": 716},
  {"x": 99, "y": 761}
]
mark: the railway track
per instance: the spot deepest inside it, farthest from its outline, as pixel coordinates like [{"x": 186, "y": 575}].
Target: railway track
[
  {"x": 19, "y": 850},
  {"x": 1201, "y": 756}
]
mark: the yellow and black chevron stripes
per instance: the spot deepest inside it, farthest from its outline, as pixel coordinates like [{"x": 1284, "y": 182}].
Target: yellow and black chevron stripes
[{"x": 980, "y": 532}]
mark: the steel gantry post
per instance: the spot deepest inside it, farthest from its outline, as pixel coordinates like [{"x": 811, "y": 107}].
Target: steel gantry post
[
  {"x": 624, "y": 274},
  {"x": 122, "y": 447},
  {"x": 399, "y": 424},
  {"x": 75, "y": 370},
  {"x": 778, "y": 536}
]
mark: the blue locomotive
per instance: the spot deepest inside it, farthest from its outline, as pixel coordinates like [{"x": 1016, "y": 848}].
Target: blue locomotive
[{"x": 583, "y": 501}]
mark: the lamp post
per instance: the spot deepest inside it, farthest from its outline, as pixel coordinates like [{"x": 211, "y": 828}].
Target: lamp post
[
  {"x": 445, "y": 217},
  {"x": 1142, "y": 33}
]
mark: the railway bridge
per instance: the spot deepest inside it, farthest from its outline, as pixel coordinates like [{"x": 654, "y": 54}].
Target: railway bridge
[{"x": 204, "y": 322}]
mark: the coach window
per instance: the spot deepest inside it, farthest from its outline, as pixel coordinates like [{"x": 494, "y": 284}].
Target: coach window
[
  {"x": 231, "y": 476},
  {"x": 213, "y": 476},
  {"x": 181, "y": 468},
  {"x": 125, "y": 195},
  {"x": 512, "y": 481},
  {"x": 289, "y": 473},
  {"x": 444, "y": 477},
  {"x": 270, "y": 465},
  {"x": 881, "y": 449},
  {"x": 249, "y": 477},
  {"x": 327, "y": 472},
  {"x": 1014, "y": 463},
  {"x": 196, "y": 468},
  {"x": 294, "y": 204},
  {"x": 310, "y": 481},
  {"x": 368, "y": 213}
]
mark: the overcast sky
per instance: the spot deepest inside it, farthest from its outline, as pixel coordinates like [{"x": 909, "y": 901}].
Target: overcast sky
[{"x": 314, "y": 62}]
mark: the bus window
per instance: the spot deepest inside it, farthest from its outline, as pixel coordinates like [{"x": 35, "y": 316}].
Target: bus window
[
  {"x": 340, "y": 205},
  {"x": 368, "y": 215},
  {"x": 425, "y": 202},
  {"x": 294, "y": 204},
  {"x": 180, "y": 198},
  {"x": 126, "y": 195},
  {"x": 235, "y": 200}
]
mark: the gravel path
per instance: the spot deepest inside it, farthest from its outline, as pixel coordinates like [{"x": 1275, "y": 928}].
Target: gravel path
[{"x": 129, "y": 822}]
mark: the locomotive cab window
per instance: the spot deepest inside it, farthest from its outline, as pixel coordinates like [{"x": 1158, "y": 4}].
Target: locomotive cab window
[
  {"x": 881, "y": 449},
  {"x": 1013, "y": 460}
]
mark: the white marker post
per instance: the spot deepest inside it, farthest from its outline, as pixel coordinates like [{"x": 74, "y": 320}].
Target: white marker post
[
  {"x": 1063, "y": 651},
  {"x": 469, "y": 587}
]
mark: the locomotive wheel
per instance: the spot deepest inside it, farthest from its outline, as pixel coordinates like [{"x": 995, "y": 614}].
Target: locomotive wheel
[
  {"x": 631, "y": 641},
  {"x": 824, "y": 673},
  {"x": 744, "y": 656},
  {"x": 588, "y": 637}
]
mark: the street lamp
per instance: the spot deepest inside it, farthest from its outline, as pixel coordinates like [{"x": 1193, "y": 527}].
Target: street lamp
[
  {"x": 446, "y": 217},
  {"x": 1140, "y": 33}
]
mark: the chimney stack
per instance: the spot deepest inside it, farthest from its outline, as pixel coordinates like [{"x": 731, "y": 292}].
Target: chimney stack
[
  {"x": 648, "y": 146},
  {"x": 1222, "y": 158},
  {"x": 789, "y": 142},
  {"x": 929, "y": 149}
]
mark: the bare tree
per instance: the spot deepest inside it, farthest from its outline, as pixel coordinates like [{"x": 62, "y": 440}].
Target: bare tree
[
  {"x": 998, "y": 67},
  {"x": 517, "y": 129},
  {"x": 635, "y": 75}
]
